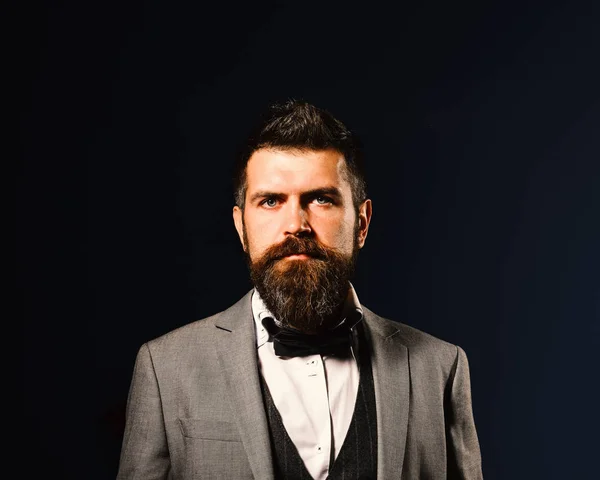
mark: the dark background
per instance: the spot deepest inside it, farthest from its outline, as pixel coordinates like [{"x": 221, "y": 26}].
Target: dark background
[{"x": 481, "y": 128}]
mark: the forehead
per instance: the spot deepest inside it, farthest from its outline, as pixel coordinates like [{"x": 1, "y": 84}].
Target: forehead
[{"x": 295, "y": 170}]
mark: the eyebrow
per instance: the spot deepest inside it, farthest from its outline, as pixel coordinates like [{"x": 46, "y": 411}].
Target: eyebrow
[{"x": 331, "y": 191}]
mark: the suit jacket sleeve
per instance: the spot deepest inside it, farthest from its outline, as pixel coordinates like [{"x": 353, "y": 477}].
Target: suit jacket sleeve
[
  {"x": 464, "y": 457},
  {"x": 144, "y": 453}
]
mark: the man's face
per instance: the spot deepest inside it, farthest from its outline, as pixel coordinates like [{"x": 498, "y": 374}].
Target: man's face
[{"x": 301, "y": 232}]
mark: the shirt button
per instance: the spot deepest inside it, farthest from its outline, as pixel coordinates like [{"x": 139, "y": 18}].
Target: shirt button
[{"x": 319, "y": 449}]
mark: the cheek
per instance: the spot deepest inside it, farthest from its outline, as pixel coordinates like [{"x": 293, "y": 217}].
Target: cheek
[
  {"x": 340, "y": 234},
  {"x": 350, "y": 238},
  {"x": 258, "y": 240}
]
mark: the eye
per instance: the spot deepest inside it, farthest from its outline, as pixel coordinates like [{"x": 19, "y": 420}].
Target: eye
[
  {"x": 269, "y": 202},
  {"x": 323, "y": 200}
]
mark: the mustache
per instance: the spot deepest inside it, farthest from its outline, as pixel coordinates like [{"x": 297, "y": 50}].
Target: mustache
[{"x": 296, "y": 246}]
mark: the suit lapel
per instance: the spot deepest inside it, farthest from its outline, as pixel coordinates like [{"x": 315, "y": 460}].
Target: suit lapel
[
  {"x": 389, "y": 359},
  {"x": 236, "y": 350}
]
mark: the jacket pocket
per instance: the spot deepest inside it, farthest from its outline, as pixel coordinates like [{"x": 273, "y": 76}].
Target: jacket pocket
[{"x": 209, "y": 429}]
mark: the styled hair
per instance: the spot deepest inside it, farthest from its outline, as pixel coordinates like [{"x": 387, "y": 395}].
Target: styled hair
[{"x": 298, "y": 125}]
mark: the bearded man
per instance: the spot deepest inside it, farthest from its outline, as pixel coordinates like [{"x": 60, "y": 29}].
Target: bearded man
[{"x": 298, "y": 380}]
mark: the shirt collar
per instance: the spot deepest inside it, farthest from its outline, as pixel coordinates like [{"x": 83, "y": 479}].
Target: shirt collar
[{"x": 352, "y": 314}]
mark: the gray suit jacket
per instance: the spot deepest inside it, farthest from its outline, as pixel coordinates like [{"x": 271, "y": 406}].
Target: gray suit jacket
[{"x": 195, "y": 409}]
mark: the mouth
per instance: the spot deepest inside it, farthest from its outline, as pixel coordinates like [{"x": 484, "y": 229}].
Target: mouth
[{"x": 299, "y": 256}]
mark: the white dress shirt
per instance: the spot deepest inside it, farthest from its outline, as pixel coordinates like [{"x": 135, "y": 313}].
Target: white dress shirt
[{"x": 314, "y": 394}]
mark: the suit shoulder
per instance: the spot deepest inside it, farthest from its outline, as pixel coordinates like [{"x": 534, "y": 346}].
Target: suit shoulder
[
  {"x": 198, "y": 333},
  {"x": 191, "y": 333},
  {"x": 416, "y": 340}
]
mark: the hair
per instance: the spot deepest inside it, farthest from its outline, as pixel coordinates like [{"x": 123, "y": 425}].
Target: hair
[{"x": 298, "y": 125}]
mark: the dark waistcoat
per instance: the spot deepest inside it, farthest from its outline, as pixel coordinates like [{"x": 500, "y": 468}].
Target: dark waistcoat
[{"x": 357, "y": 459}]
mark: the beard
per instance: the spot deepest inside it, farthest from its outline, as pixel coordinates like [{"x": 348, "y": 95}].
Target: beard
[{"x": 308, "y": 294}]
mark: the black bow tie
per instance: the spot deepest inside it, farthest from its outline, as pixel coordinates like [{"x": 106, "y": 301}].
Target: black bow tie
[{"x": 291, "y": 343}]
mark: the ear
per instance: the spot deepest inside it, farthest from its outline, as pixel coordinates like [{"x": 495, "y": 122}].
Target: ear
[
  {"x": 364, "y": 220},
  {"x": 239, "y": 224}
]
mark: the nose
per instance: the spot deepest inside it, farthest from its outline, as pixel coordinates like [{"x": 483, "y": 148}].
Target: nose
[{"x": 296, "y": 221}]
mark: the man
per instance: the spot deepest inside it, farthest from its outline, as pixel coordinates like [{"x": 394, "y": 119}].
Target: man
[{"x": 299, "y": 380}]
